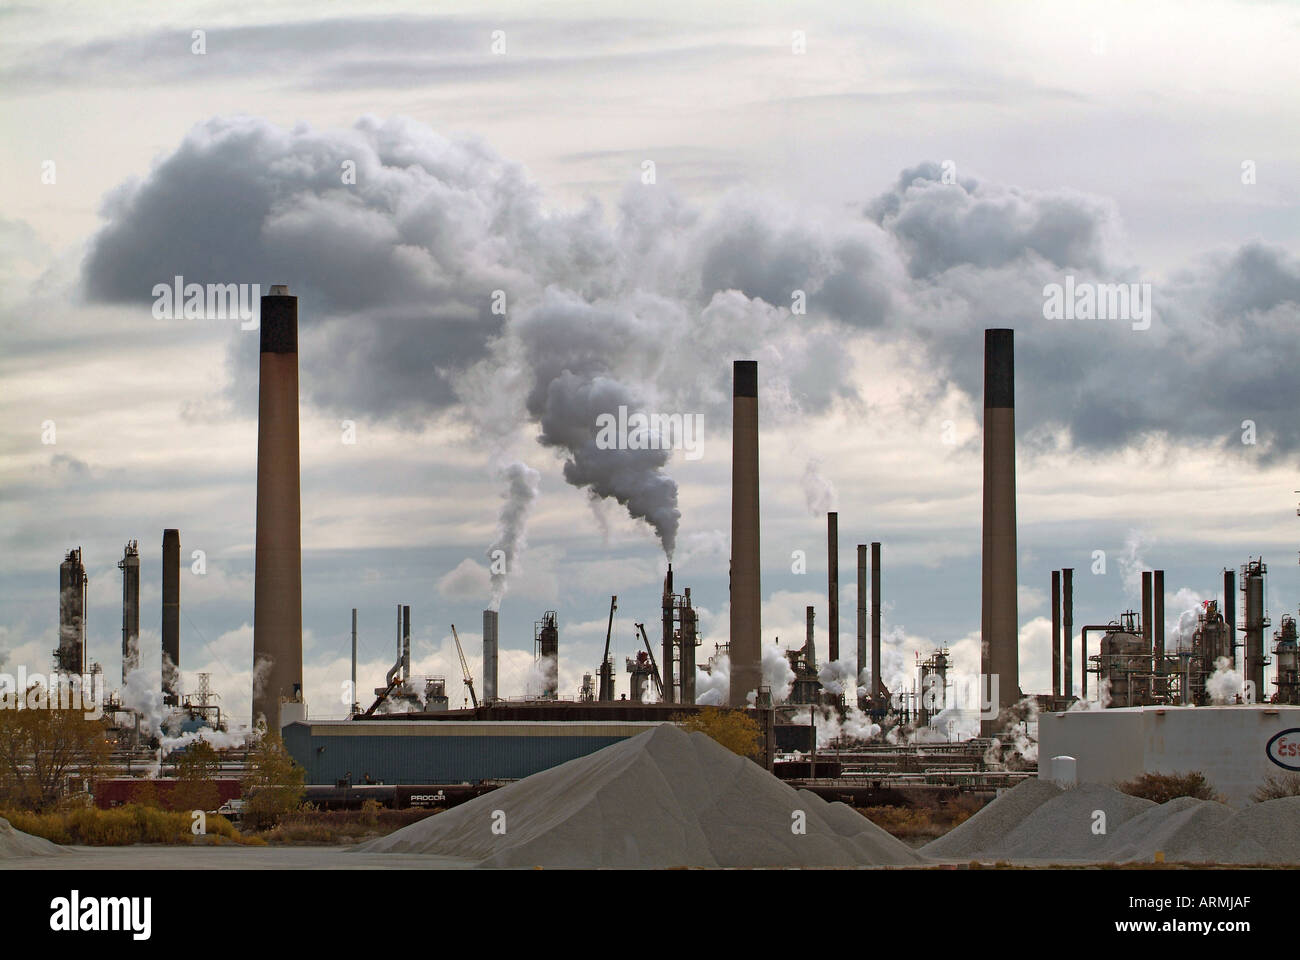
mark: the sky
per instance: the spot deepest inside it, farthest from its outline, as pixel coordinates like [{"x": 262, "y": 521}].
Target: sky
[{"x": 554, "y": 209}]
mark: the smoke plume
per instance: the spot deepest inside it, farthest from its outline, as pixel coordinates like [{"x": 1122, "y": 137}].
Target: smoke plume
[{"x": 522, "y": 483}]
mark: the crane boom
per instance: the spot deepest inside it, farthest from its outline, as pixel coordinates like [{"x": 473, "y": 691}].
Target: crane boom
[
  {"x": 464, "y": 667},
  {"x": 659, "y": 684}
]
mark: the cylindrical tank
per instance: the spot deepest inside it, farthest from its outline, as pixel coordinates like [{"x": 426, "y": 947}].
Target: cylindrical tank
[{"x": 1126, "y": 664}]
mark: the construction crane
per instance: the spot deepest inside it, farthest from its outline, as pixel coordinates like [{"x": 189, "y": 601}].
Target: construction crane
[
  {"x": 606, "y": 667},
  {"x": 659, "y": 684},
  {"x": 464, "y": 668}
]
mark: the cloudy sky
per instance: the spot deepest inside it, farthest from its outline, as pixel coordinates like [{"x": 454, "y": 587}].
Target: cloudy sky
[{"x": 650, "y": 195}]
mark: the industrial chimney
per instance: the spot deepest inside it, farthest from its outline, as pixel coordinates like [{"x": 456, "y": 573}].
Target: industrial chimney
[
  {"x": 862, "y": 610},
  {"x": 999, "y": 657},
  {"x": 171, "y": 617},
  {"x": 1158, "y": 629},
  {"x": 877, "y": 685},
  {"x": 130, "y": 567},
  {"x": 490, "y": 618},
  {"x": 1067, "y": 628},
  {"x": 746, "y": 594},
  {"x": 277, "y": 586},
  {"x": 1056, "y": 633},
  {"x": 833, "y": 582}
]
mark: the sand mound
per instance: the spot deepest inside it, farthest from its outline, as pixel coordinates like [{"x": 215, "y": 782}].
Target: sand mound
[
  {"x": 663, "y": 798},
  {"x": 15, "y": 843},
  {"x": 994, "y": 822},
  {"x": 1046, "y": 823}
]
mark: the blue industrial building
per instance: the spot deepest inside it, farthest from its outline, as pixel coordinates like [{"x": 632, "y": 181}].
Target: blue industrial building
[{"x": 444, "y": 752}]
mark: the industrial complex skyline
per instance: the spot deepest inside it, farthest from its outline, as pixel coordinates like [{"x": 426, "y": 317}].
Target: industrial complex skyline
[{"x": 482, "y": 273}]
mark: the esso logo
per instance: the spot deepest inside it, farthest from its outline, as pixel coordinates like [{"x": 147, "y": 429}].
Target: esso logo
[{"x": 1284, "y": 749}]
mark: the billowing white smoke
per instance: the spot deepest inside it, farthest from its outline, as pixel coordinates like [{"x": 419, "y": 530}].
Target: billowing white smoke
[
  {"x": 217, "y": 739},
  {"x": 855, "y": 725},
  {"x": 522, "y": 483},
  {"x": 818, "y": 490},
  {"x": 1225, "y": 684},
  {"x": 142, "y": 693},
  {"x": 541, "y": 677},
  {"x": 713, "y": 686},
  {"x": 837, "y": 676}
]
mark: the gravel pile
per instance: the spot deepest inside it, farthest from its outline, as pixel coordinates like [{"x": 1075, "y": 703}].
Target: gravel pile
[
  {"x": 661, "y": 799},
  {"x": 15, "y": 843},
  {"x": 995, "y": 821},
  {"x": 1039, "y": 821}
]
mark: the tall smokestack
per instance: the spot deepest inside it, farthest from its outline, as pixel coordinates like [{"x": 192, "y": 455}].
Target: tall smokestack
[
  {"x": 1158, "y": 625},
  {"x": 877, "y": 686},
  {"x": 489, "y": 655},
  {"x": 1067, "y": 627},
  {"x": 1056, "y": 633},
  {"x": 833, "y": 582},
  {"x": 171, "y": 616},
  {"x": 406, "y": 642},
  {"x": 1146, "y": 606},
  {"x": 130, "y": 567},
  {"x": 999, "y": 660},
  {"x": 277, "y": 582},
  {"x": 810, "y": 642},
  {"x": 862, "y": 608},
  {"x": 355, "y": 704},
  {"x": 746, "y": 595},
  {"x": 1230, "y": 609}
]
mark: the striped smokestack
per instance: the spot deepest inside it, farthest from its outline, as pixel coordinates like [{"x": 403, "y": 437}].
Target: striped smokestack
[
  {"x": 999, "y": 661},
  {"x": 746, "y": 623},
  {"x": 833, "y": 582},
  {"x": 277, "y": 582},
  {"x": 489, "y": 655},
  {"x": 171, "y": 617}
]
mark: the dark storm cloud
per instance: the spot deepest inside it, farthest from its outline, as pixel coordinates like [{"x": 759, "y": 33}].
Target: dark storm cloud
[{"x": 397, "y": 275}]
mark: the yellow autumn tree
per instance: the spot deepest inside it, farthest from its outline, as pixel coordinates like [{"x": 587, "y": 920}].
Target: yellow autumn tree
[{"x": 734, "y": 729}]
